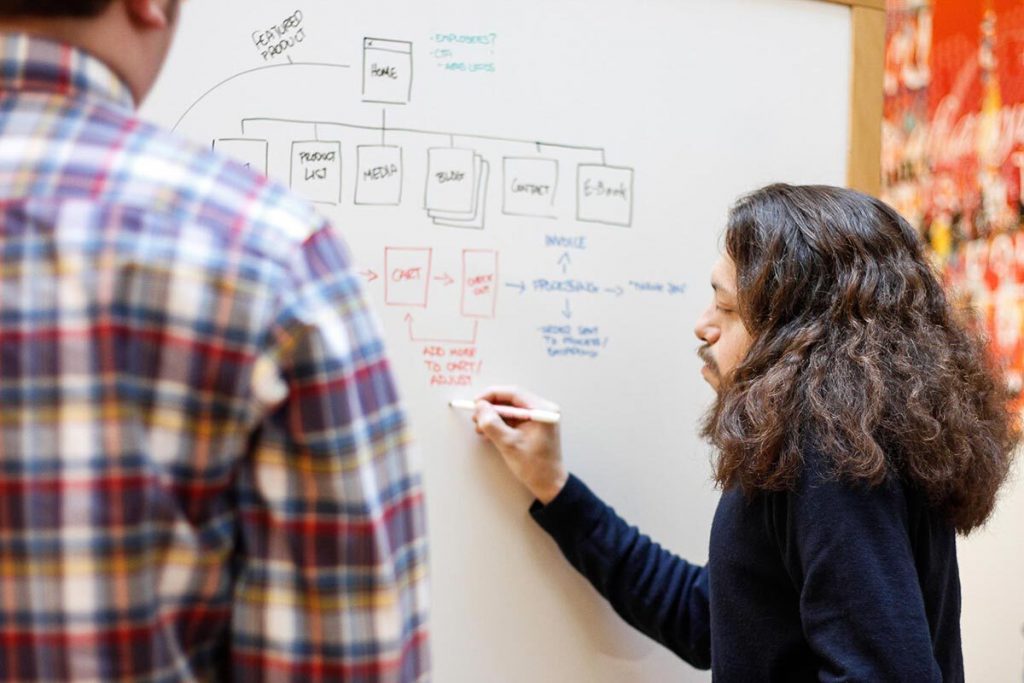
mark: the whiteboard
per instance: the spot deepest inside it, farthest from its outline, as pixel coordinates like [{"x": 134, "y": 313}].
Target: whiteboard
[{"x": 534, "y": 193}]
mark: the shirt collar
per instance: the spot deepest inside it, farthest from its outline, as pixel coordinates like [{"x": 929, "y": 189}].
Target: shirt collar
[{"x": 34, "y": 64}]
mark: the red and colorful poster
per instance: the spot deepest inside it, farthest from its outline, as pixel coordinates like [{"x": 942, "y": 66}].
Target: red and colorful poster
[{"x": 953, "y": 152}]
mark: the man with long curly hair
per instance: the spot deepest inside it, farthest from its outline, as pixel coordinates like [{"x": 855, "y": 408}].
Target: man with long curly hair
[{"x": 859, "y": 428}]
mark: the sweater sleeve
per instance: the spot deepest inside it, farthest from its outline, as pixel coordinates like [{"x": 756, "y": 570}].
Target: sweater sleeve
[
  {"x": 656, "y": 592},
  {"x": 848, "y": 551}
]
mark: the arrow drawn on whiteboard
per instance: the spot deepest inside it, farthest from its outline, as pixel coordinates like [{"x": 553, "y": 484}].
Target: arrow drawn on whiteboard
[
  {"x": 369, "y": 275},
  {"x": 564, "y": 261},
  {"x": 446, "y": 279},
  {"x": 567, "y": 311},
  {"x": 462, "y": 340},
  {"x": 521, "y": 286},
  {"x": 617, "y": 291}
]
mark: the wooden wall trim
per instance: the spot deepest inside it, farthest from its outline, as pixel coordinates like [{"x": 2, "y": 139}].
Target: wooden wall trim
[
  {"x": 870, "y": 4},
  {"x": 864, "y": 160}
]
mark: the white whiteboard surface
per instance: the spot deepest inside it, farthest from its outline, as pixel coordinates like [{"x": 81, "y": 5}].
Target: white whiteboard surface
[{"x": 644, "y": 120}]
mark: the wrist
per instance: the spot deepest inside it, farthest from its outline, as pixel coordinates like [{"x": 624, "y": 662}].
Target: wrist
[{"x": 549, "y": 490}]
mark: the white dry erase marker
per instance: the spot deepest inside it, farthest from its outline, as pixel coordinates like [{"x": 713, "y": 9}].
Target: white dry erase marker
[{"x": 535, "y": 414}]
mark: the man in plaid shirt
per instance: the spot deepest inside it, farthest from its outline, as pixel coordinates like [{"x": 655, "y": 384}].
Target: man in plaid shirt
[{"x": 204, "y": 469}]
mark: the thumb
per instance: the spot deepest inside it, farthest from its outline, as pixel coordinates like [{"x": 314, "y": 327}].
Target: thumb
[{"x": 491, "y": 424}]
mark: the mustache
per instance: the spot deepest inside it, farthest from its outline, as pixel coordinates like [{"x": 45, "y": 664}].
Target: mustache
[{"x": 704, "y": 353}]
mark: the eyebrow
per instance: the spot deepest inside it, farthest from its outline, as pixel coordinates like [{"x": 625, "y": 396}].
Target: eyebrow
[{"x": 721, "y": 289}]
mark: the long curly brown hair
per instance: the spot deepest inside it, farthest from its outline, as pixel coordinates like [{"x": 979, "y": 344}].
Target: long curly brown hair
[{"x": 857, "y": 354}]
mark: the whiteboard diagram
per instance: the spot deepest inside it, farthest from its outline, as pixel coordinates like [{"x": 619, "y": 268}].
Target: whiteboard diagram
[
  {"x": 457, "y": 175},
  {"x": 447, "y": 178}
]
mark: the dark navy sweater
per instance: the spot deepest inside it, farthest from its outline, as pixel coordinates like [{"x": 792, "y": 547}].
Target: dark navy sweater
[{"x": 829, "y": 582}]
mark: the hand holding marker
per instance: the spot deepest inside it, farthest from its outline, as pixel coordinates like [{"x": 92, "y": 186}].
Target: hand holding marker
[
  {"x": 525, "y": 430},
  {"x": 534, "y": 414}
]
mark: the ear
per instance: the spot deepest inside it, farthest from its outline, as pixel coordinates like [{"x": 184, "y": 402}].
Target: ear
[{"x": 154, "y": 14}]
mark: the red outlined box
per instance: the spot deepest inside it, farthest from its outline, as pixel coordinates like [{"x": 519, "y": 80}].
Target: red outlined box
[
  {"x": 407, "y": 276},
  {"x": 479, "y": 283}
]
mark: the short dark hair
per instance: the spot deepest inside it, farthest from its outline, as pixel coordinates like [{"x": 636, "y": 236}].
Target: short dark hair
[
  {"x": 53, "y": 8},
  {"x": 856, "y": 354}
]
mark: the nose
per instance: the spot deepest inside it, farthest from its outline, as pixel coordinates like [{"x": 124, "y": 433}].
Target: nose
[{"x": 705, "y": 329}]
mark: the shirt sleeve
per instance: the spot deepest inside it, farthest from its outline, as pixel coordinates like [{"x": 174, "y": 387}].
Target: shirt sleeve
[
  {"x": 848, "y": 550},
  {"x": 655, "y": 591},
  {"x": 331, "y": 557}
]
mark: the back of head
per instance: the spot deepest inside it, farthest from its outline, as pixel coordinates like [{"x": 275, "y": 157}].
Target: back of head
[
  {"x": 132, "y": 37},
  {"x": 79, "y": 9},
  {"x": 857, "y": 354}
]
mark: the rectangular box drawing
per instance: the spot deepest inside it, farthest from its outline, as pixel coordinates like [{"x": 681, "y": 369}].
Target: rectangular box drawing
[
  {"x": 407, "y": 276},
  {"x": 451, "y": 179},
  {"x": 530, "y": 185},
  {"x": 479, "y": 283},
  {"x": 250, "y": 153},
  {"x": 387, "y": 71},
  {"x": 475, "y": 219},
  {"x": 316, "y": 170},
  {"x": 604, "y": 194},
  {"x": 464, "y": 215},
  {"x": 379, "y": 175}
]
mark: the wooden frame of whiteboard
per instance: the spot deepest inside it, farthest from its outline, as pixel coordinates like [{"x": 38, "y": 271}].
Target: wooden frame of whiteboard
[{"x": 864, "y": 155}]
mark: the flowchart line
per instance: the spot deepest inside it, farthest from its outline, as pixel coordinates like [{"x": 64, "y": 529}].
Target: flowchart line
[
  {"x": 246, "y": 73},
  {"x": 417, "y": 131}
]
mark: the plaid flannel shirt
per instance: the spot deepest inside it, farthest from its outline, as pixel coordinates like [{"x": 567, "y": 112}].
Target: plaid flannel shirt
[{"x": 204, "y": 469}]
